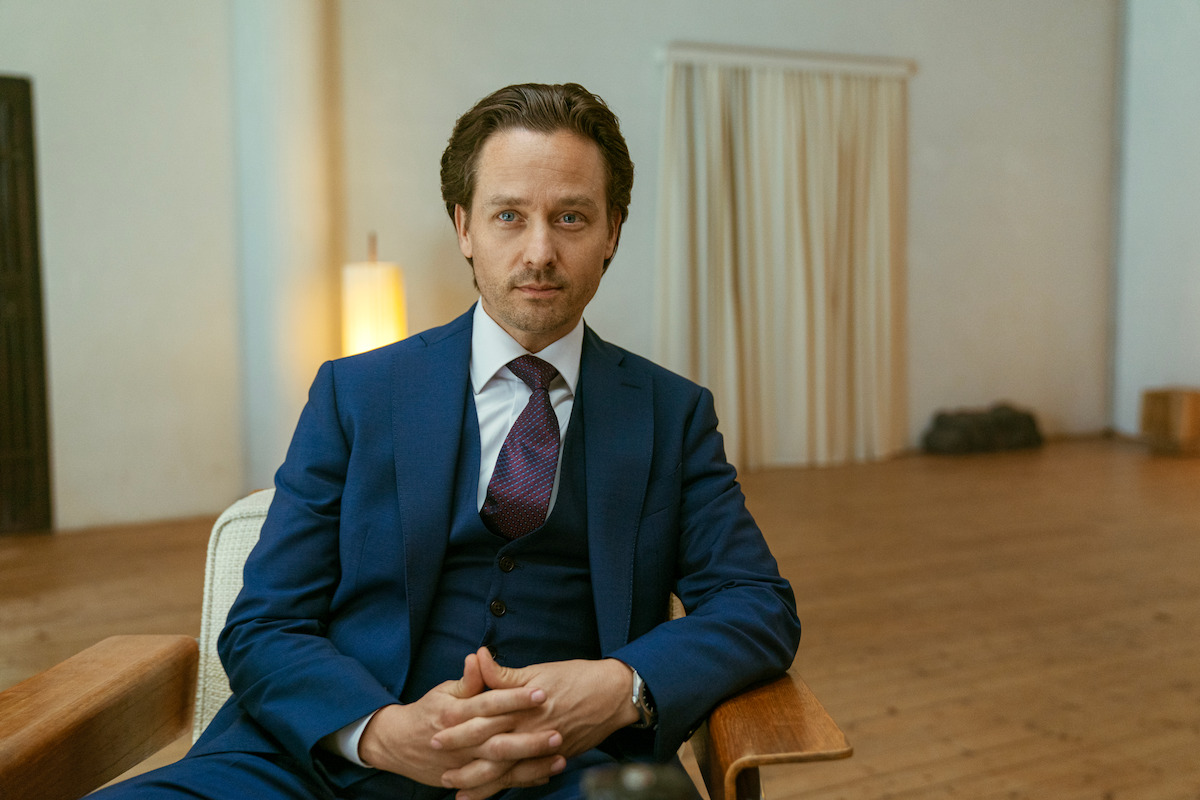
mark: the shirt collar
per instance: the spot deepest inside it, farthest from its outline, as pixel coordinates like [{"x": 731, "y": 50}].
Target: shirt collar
[{"x": 492, "y": 348}]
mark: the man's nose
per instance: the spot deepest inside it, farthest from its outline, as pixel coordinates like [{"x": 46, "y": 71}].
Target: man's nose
[{"x": 539, "y": 245}]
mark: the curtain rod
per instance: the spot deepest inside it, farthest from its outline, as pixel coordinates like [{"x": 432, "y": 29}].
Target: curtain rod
[{"x": 726, "y": 55}]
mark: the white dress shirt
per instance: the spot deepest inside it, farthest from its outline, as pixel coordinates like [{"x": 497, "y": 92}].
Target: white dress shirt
[{"x": 500, "y": 397}]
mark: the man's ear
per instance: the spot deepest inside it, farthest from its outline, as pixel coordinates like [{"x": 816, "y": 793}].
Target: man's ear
[
  {"x": 614, "y": 236},
  {"x": 462, "y": 220}
]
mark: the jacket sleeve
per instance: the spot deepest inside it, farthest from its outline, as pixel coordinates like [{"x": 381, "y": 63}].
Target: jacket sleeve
[
  {"x": 284, "y": 670},
  {"x": 741, "y": 624}
]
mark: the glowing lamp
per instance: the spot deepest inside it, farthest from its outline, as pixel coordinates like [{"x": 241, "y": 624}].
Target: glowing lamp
[{"x": 372, "y": 304}]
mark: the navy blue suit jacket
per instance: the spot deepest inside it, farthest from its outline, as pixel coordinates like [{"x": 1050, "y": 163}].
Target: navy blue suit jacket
[{"x": 339, "y": 588}]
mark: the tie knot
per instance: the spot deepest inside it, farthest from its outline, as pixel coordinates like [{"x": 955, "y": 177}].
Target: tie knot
[{"x": 536, "y": 373}]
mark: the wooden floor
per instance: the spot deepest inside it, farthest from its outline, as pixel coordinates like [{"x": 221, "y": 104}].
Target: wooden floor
[{"x": 1014, "y": 626}]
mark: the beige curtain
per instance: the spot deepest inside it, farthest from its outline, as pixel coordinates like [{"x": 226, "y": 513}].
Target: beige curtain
[{"x": 782, "y": 223}]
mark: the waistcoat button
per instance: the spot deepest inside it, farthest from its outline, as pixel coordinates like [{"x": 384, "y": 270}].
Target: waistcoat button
[
  {"x": 498, "y": 608},
  {"x": 507, "y": 564}
]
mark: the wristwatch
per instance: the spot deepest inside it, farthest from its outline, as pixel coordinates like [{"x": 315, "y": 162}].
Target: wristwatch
[{"x": 643, "y": 702}]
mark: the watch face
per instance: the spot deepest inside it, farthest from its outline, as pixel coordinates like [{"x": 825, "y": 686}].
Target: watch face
[{"x": 642, "y": 702}]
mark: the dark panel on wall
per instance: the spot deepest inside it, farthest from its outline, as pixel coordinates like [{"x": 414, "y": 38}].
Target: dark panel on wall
[{"x": 24, "y": 450}]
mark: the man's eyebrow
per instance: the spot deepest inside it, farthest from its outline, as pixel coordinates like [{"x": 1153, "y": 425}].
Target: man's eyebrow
[
  {"x": 580, "y": 201},
  {"x": 572, "y": 201},
  {"x": 503, "y": 200}
]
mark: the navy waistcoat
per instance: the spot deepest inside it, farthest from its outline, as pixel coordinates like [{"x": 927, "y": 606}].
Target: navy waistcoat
[{"x": 528, "y": 600}]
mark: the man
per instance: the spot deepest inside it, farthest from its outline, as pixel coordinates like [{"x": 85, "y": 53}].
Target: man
[{"x": 462, "y": 584}]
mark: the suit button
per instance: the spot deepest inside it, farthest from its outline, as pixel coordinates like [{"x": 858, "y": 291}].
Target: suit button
[
  {"x": 498, "y": 608},
  {"x": 507, "y": 564}
]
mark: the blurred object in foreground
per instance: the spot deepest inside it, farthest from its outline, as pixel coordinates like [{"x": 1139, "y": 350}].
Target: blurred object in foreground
[{"x": 638, "y": 782}]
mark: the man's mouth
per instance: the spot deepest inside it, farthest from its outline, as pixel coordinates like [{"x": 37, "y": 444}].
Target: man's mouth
[{"x": 538, "y": 289}]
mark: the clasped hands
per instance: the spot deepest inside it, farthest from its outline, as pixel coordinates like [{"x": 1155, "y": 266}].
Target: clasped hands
[{"x": 498, "y": 727}]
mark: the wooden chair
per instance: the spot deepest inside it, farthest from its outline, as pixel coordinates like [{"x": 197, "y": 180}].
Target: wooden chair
[{"x": 87, "y": 720}]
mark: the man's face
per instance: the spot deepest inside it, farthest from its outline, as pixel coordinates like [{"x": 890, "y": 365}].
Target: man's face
[{"x": 538, "y": 232}]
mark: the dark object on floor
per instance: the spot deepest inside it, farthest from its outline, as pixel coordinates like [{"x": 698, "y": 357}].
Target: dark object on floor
[{"x": 1001, "y": 427}]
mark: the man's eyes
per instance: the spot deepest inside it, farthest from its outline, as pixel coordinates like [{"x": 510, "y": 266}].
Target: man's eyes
[{"x": 569, "y": 218}]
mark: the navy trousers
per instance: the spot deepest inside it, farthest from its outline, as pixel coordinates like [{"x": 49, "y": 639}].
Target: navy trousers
[{"x": 241, "y": 776}]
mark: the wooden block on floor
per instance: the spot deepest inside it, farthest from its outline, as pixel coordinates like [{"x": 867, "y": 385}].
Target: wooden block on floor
[{"x": 1171, "y": 420}]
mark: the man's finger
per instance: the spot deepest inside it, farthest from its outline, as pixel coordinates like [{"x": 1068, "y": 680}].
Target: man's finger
[
  {"x": 491, "y": 738},
  {"x": 471, "y": 683},
  {"x": 532, "y": 772},
  {"x": 481, "y": 779},
  {"x": 496, "y": 676},
  {"x": 501, "y": 701},
  {"x": 472, "y": 732}
]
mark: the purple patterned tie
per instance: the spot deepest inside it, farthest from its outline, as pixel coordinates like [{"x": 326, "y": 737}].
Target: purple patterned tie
[{"x": 518, "y": 495}]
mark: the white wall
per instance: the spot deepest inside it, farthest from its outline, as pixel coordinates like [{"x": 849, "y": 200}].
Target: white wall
[
  {"x": 138, "y": 122},
  {"x": 133, "y": 132},
  {"x": 1158, "y": 272},
  {"x": 287, "y": 200},
  {"x": 1011, "y": 168}
]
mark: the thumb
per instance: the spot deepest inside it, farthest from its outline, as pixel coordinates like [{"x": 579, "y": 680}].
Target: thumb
[
  {"x": 471, "y": 683},
  {"x": 496, "y": 676}
]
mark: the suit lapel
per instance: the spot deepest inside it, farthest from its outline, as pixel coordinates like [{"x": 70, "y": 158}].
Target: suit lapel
[
  {"x": 618, "y": 431},
  {"x": 429, "y": 396}
]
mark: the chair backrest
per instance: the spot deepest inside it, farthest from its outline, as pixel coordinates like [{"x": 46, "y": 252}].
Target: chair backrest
[{"x": 233, "y": 536}]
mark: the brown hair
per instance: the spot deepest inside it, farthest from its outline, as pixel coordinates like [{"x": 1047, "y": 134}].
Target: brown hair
[{"x": 546, "y": 109}]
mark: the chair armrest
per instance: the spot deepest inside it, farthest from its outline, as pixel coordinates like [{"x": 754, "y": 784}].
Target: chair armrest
[
  {"x": 776, "y": 722},
  {"x": 83, "y": 722}
]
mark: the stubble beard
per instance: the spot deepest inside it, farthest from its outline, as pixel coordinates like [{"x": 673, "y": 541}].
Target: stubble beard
[{"x": 530, "y": 314}]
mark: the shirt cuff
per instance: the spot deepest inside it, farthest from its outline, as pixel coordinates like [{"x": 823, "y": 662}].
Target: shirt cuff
[{"x": 344, "y": 742}]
